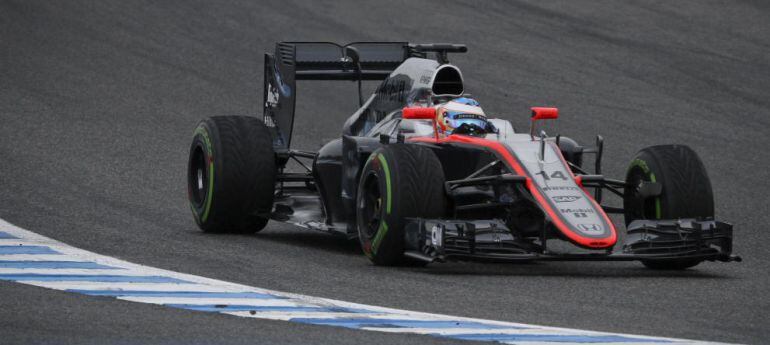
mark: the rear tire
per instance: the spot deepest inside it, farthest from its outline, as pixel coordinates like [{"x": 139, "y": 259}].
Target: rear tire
[
  {"x": 231, "y": 174},
  {"x": 686, "y": 191},
  {"x": 398, "y": 181}
]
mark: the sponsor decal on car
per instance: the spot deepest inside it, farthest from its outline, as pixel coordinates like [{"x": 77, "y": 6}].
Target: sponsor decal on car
[
  {"x": 574, "y": 210},
  {"x": 558, "y": 188},
  {"x": 565, "y": 198},
  {"x": 577, "y": 212},
  {"x": 591, "y": 228}
]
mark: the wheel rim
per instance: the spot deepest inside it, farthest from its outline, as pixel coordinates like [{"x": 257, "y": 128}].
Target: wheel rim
[
  {"x": 370, "y": 206},
  {"x": 198, "y": 177}
]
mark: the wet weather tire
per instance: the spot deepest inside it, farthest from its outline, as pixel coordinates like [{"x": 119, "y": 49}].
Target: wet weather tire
[
  {"x": 397, "y": 181},
  {"x": 686, "y": 191},
  {"x": 231, "y": 174}
]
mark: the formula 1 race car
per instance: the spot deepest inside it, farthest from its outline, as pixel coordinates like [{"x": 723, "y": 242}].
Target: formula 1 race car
[{"x": 420, "y": 174}]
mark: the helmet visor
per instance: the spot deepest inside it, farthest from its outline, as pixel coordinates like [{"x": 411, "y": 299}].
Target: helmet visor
[{"x": 455, "y": 120}]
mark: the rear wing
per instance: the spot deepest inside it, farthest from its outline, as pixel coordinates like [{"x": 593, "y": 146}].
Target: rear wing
[{"x": 294, "y": 61}]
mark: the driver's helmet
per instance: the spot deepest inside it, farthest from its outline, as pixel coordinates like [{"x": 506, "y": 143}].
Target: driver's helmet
[{"x": 461, "y": 116}]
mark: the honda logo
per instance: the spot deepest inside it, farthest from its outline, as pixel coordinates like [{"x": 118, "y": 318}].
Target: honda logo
[{"x": 590, "y": 228}]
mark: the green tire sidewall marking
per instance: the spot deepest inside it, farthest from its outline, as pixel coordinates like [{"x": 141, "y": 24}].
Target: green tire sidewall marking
[
  {"x": 379, "y": 236},
  {"x": 657, "y": 200},
  {"x": 383, "y": 229},
  {"x": 646, "y": 169},
  {"x": 387, "y": 181},
  {"x": 210, "y": 151}
]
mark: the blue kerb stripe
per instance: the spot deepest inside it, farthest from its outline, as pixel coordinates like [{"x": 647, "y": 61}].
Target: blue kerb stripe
[
  {"x": 383, "y": 323},
  {"x": 92, "y": 278},
  {"x": 576, "y": 338},
  {"x": 9, "y": 250},
  {"x": 220, "y": 308},
  {"x": 54, "y": 264},
  {"x": 5, "y": 236},
  {"x": 185, "y": 294}
]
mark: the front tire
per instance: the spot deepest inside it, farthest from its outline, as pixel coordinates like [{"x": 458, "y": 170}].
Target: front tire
[
  {"x": 231, "y": 174},
  {"x": 686, "y": 191},
  {"x": 398, "y": 181}
]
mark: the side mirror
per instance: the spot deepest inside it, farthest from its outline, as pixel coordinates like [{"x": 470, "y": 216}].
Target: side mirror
[
  {"x": 421, "y": 113},
  {"x": 544, "y": 113},
  {"x": 418, "y": 113},
  {"x": 541, "y": 113}
]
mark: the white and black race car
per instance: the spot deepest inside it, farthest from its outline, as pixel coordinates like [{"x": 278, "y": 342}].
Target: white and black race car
[{"x": 411, "y": 192}]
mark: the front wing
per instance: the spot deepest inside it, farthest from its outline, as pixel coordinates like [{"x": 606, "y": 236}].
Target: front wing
[{"x": 443, "y": 240}]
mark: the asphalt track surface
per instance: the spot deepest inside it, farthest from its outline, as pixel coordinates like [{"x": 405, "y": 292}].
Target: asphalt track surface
[{"x": 98, "y": 101}]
